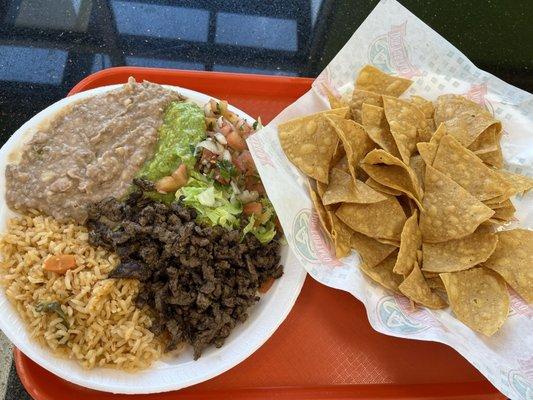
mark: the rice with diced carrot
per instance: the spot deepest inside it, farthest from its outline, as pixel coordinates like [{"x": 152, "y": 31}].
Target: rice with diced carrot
[{"x": 78, "y": 314}]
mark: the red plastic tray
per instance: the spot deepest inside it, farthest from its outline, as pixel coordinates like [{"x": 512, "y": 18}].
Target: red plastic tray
[{"x": 326, "y": 348}]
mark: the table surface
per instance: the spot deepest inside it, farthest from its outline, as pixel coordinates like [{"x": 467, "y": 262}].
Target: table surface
[{"x": 47, "y": 46}]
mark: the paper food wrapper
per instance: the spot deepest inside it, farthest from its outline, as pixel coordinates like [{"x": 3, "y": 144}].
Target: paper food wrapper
[{"x": 397, "y": 42}]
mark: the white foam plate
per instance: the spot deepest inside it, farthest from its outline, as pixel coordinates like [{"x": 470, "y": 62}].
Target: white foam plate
[{"x": 169, "y": 373}]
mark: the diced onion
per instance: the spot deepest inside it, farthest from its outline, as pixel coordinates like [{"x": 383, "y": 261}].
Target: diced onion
[
  {"x": 211, "y": 146},
  {"x": 226, "y": 155},
  {"x": 234, "y": 187},
  {"x": 221, "y": 138},
  {"x": 247, "y": 196}
]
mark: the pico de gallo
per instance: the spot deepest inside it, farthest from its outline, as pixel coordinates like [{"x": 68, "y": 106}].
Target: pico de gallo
[{"x": 202, "y": 159}]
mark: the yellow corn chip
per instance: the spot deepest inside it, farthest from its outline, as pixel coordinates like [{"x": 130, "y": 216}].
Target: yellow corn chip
[
  {"x": 487, "y": 142},
  {"x": 459, "y": 254},
  {"x": 513, "y": 260},
  {"x": 493, "y": 158},
  {"x": 384, "y": 219},
  {"x": 334, "y": 102},
  {"x": 466, "y": 169},
  {"x": 504, "y": 214},
  {"x": 377, "y": 128},
  {"x": 374, "y": 80},
  {"x": 464, "y": 119},
  {"x": 428, "y": 151},
  {"x": 450, "y": 212},
  {"x": 478, "y": 297},
  {"x": 354, "y": 139},
  {"x": 382, "y": 188},
  {"x": 520, "y": 184},
  {"x": 410, "y": 242},
  {"x": 341, "y": 189},
  {"x": 415, "y": 287},
  {"x": 382, "y": 273},
  {"x": 405, "y": 121},
  {"x": 424, "y": 105},
  {"x": 321, "y": 211},
  {"x": 359, "y": 99},
  {"x": 435, "y": 283},
  {"x": 370, "y": 250},
  {"x": 419, "y": 168},
  {"x": 310, "y": 142},
  {"x": 388, "y": 170},
  {"x": 340, "y": 235}
]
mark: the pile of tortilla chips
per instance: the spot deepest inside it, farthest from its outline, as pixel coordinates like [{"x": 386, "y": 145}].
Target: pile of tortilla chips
[{"x": 416, "y": 188}]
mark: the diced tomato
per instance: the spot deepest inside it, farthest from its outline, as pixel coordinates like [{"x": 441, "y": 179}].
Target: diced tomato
[
  {"x": 245, "y": 163},
  {"x": 253, "y": 182},
  {"x": 208, "y": 155},
  {"x": 266, "y": 285},
  {"x": 235, "y": 141},
  {"x": 253, "y": 207},
  {"x": 225, "y": 129},
  {"x": 243, "y": 128}
]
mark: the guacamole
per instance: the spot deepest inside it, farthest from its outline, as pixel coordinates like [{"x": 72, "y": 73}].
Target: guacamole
[{"x": 183, "y": 127}]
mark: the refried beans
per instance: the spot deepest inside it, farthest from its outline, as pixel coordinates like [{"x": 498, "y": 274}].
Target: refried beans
[{"x": 89, "y": 151}]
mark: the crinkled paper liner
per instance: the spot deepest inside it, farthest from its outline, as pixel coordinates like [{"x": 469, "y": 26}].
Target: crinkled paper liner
[{"x": 396, "y": 41}]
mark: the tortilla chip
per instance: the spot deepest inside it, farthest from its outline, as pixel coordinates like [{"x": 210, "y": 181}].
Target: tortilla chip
[
  {"x": 466, "y": 169},
  {"x": 370, "y": 250},
  {"x": 428, "y": 151},
  {"x": 382, "y": 188},
  {"x": 513, "y": 260},
  {"x": 377, "y": 128},
  {"x": 321, "y": 189},
  {"x": 410, "y": 242},
  {"x": 354, "y": 139},
  {"x": 487, "y": 142},
  {"x": 405, "y": 121},
  {"x": 494, "y": 158},
  {"x": 359, "y": 99},
  {"x": 341, "y": 189},
  {"x": 459, "y": 254},
  {"x": 342, "y": 165},
  {"x": 464, "y": 119},
  {"x": 388, "y": 170},
  {"x": 478, "y": 297},
  {"x": 435, "y": 283},
  {"x": 418, "y": 166},
  {"x": 520, "y": 183},
  {"x": 424, "y": 105},
  {"x": 310, "y": 143},
  {"x": 340, "y": 234},
  {"x": 382, "y": 273},
  {"x": 415, "y": 287},
  {"x": 339, "y": 154},
  {"x": 504, "y": 214},
  {"x": 450, "y": 212},
  {"x": 374, "y": 80},
  {"x": 384, "y": 219},
  {"x": 321, "y": 211},
  {"x": 334, "y": 102}
]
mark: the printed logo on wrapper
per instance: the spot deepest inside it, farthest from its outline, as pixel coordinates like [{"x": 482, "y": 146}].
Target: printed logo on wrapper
[
  {"x": 257, "y": 146},
  {"x": 518, "y": 306},
  {"x": 390, "y": 53},
  {"x": 520, "y": 380},
  {"x": 393, "y": 317},
  {"x": 309, "y": 241},
  {"x": 478, "y": 94}
]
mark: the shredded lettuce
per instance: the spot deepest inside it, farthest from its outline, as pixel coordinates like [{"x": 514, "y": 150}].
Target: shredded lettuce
[
  {"x": 266, "y": 230},
  {"x": 213, "y": 203},
  {"x": 264, "y": 233}
]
